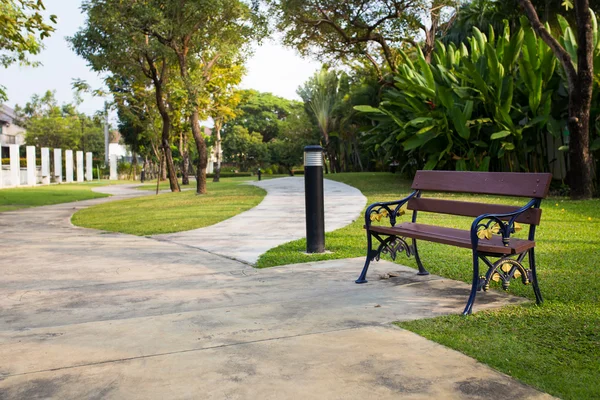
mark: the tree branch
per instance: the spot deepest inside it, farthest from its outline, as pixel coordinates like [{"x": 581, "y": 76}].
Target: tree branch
[{"x": 559, "y": 51}]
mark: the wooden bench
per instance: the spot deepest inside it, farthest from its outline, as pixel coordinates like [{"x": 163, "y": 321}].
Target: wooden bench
[{"x": 490, "y": 233}]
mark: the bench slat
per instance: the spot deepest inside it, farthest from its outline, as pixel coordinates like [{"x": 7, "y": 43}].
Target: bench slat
[
  {"x": 521, "y": 184},
  {"x": 454, "y": 237},
  {"x": 469, "y": 209}
]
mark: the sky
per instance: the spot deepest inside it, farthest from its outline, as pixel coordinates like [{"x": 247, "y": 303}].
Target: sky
[{"x": 273, "y": 68}]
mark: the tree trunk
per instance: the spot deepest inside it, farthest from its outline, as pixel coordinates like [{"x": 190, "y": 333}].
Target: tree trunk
[
  {"x": 580, "y": 93},
  {"x": 159, "y": 173},
  {"x": 185, "y": 165},
  {"x": 580, "y": 103},
  {"x": 166, "y": 122},
  {"x": 580, "y": 176},
  {"x": 217, "y": 131},
  {"x": 134, "y": 165},
  {"x": 431, "y": 32},
  {"x": 202, "y": 156},
  {"x": 162, "y": 169}
]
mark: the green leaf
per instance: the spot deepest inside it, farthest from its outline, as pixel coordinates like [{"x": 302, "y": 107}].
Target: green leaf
[
  {"x": 417, "y": 121},
  {"x": 468, "y": 110},
  {"x": 368, "y": 109},
  {"x": 499, "y": 135},
  {"x": 530, "y": 50},
  {"x": 562, "y": 21},
  {"x": 460, "y": 122},
  {"x": 536, "y": 120},
  {"x": 595, "y": 145},
  {"x": 480, "y": 143},
  {"x": 417, "y": 140},
  {"x": 426, "y": 129},
  {"x": 511, "y": 53},
  {"x": 508, "y": 146},
  {"x": 480, "y": 37},
  {"x": 485, "y": 164},
  {"x": 479, "y": 121},
  {"x": 563, "y": 148},
  {"x": 425, "y": 69},
  {"x": 461, "y": 165},
  {"x": 445, "y": 96},
  {"x": 431, "y": 162}
]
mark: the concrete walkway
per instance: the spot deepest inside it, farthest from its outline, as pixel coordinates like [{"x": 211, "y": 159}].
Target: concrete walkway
[
  {"x": 278, "y": 219},
  {"x": 89, "y": 314}
]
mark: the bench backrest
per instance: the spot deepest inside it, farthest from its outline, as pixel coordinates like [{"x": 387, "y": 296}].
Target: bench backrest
[{"x": 532, "y": 185}]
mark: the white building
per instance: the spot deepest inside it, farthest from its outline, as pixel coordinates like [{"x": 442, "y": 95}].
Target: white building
[{"x": 9, "y": 132}]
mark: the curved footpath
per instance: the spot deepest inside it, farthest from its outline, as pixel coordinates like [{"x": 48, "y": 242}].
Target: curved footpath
[
  {"x": 278, "y": 219},
  {"x": 91, "y": 314}
]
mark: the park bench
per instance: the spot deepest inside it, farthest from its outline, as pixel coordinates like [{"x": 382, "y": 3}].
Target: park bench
[{"x": 489, "y": 237}]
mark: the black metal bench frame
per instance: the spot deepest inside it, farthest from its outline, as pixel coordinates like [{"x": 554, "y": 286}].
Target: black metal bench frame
[{"x": 508, "y": 265}]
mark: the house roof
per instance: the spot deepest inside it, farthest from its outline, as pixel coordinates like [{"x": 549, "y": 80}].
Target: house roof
[{"x": 7, "y": 114}]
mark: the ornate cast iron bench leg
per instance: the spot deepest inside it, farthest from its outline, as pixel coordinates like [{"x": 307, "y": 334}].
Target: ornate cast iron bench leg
[
  {"x": 475, "y": 284},
  {"x": 363, "y": 274},
  {"x": 534, "y": 281},
  {"x": 422, "y": 270}
]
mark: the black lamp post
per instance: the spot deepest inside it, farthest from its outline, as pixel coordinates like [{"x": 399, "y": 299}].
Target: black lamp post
[{"x": 313, "y": 192}]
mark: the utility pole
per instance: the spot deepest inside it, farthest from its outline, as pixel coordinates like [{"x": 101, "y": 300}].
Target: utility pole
[{"x": 106, "y": 136}]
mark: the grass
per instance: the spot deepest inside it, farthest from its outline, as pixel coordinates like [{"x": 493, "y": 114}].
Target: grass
[
  {"x": 554, "y": 347},
  {"x": 172, "y": 212},
  {"x": 17, "y": 198},
  {"x": 151, "y": 185}
]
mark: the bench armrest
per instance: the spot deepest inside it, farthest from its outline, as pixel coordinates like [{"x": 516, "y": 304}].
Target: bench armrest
[
  {"x": 388, "y": 209},
  {"x": 487, "y": 221}
]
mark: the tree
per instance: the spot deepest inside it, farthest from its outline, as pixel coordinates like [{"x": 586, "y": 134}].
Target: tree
[
  {"x": 579, "y": 71},
  {"x": 112, "y": 41},
  {"x": 22, "y": 29},
  {"x": 224, "y": 99},
  {"x": 61, "y": 127},
  {"x": 201, "y": 34},
  {"x": 322, "y": 96},
  {"x": 263, "y": 113},
  {"x": 296, "y": 132},
  {"x": 352, "y": 29},
  {"x": 245, "y": 148}
]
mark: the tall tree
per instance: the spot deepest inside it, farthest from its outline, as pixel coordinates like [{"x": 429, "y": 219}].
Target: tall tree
[
  {"x": 22, "y": 29},
  {"x": 371, "y": 29},
  {"x": 201, "y": 34},
  {"x": 112, "y": 42},
  {"x": 580, "y": 75},
  {"x": 322, "y": 96},
  {"x": 263, "y": 113},
  {"x": 224, "y": 99},
  {"x": 52, "y": 125}
]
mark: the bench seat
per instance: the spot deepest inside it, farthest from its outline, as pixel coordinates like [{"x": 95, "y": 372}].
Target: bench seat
[{"x": 454, "y": 237}]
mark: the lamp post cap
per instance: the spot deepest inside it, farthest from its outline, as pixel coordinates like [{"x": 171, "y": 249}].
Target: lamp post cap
[{"x": 313, "y": 148}]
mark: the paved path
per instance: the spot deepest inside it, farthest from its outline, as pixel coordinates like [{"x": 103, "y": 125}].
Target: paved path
[
  {"x": 89, "y": 314},
  {"x": 278, "y": 219}
]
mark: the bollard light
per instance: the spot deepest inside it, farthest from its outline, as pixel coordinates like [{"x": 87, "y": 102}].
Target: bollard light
[{"x": 313, "y": 193}]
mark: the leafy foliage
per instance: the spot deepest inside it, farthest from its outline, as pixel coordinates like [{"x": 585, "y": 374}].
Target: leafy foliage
[
  {"x": 485, "y": 106},
  {"x": 22, "y": 29},
  {"x": 61, "y": 127},
  {"x": 264, "y": 113}
]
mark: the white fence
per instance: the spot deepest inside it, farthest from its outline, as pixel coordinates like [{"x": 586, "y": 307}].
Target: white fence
[{"x": 13, "y": 175}]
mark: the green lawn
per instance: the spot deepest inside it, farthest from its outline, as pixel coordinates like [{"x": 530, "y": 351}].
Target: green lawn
[
  {"x": 151, "y": 185},
  {"x": 172, "y": 212},
  {"x": 14, "y": 199},
  {"x": 554, "y": 347}
]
